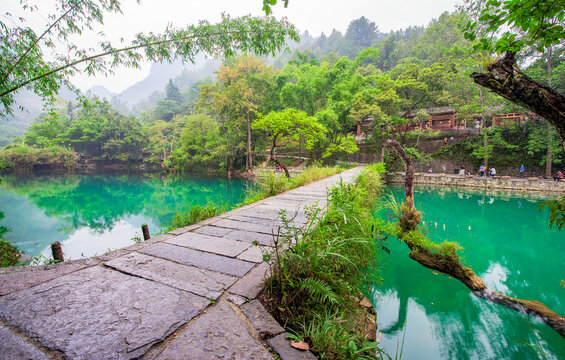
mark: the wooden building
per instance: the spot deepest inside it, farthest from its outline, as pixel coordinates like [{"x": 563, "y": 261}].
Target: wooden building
[{"x": 443, "y": 118}]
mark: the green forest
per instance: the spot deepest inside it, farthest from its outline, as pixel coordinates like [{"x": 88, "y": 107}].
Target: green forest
[{"x": 386, "y": 82}]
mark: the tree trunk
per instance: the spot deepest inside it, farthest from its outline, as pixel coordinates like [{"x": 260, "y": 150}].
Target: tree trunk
[
  {"x": 382, "y": 156},
  {"x": 485, "y": 143},
  {"x": 278, "y": 163},
  {"x": 549, "y": 163},
  {"x": 409, "y": 178},
  {"x": 504, "y": 78},
  {"x": 248, "y": 160}
]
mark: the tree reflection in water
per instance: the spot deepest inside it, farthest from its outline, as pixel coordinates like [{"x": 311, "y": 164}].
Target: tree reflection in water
[
  {"x": 507, "y": 244},
  {"x": 48, "y": 208}
]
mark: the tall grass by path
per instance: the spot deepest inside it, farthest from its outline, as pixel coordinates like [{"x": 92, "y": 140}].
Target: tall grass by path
[
  {"x": 193, "y": 215},
  {"x": 320, "y": 271},
  {"x": 271, "y": 184}
]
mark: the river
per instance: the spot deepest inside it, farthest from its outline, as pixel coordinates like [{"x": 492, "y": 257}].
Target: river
[{"x": 91, "y": 214}]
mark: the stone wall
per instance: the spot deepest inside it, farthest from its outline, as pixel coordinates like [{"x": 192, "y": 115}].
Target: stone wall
[{"x": 514, "y": 184}]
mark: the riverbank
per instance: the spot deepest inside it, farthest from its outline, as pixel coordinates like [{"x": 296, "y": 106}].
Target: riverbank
[
  {"x": 500, "y": 183},
  {"x": 185, "y": 292}
]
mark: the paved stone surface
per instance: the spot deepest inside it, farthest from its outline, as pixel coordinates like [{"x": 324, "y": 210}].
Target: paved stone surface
[
  {"x": 13, "y": 346},
  {"x": 251, "y": 285},
  {"x": 281, "y": 345},
  {"x": 218, "y": 334},
  {"x": 268, "y": 214},
  {"x": 236, "y": 299},
  {"x": 251, "y": 237},
  {"x": 83, "y": 314},
  {"x": 212, "y": 230},
  {"x": 182, "y": 230},
  {"x": 257, "y": 220},
  {"x": 189, "y": 278},
  {"x": 199, "y": 259},
  {"x": 209, "y": 243},
  {"x": 260, "y": 319},
  {"x": 254, "y": 254},
  {"x": 21, "y": 277},
  {"x": 247, "y": 226}
]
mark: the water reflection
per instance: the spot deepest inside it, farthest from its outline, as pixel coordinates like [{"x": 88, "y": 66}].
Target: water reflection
[
  {"x": 90, "y": 214},
  {"x": 510, "y": 247}
]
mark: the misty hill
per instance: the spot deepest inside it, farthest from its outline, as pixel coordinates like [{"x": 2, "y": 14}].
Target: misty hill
[{"x": 159, "y": 75}]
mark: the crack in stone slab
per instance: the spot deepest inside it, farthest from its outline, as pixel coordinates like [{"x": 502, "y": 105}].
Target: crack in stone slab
[
  {"x": 199, "y": 259},
  {"x": 188, "y": 278}
]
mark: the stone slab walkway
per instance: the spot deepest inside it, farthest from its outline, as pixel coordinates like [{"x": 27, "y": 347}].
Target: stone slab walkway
[{"x": 187, "y": 294}]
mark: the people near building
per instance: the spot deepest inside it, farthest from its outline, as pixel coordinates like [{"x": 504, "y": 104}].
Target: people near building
[
  {"x": 451, "y": 140},
  {"x": 443, "y": 169},
  {"x": 482, "y": 171},
  {"x": 430, "y": 170},
  {"x": 558, "y": 176},
  {"x": 522, "y": 170},
  {"x": 492, "y": 172},
  {"x": 444, "y": 141}
]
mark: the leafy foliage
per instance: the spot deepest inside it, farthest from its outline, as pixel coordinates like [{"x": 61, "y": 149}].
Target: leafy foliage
[
  {"x": 557, "y": 212},
  {"x": 9, "y": 254},
  {"x": 539, "y": 23},
  {"x": 193, "y": 215},
  {"x": 22, "y": 157},
  {"x": 23, "y": 62},
  {"x": 290, "y": 125}
]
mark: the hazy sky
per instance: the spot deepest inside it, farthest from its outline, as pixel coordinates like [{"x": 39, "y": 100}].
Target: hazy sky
[{"x": 316, "y": 16}]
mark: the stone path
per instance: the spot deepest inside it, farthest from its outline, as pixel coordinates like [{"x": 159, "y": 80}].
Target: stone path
[{"x": 187, "y": 294}]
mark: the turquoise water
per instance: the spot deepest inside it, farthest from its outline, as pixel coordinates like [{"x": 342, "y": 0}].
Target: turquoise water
[
  {"x": 91, "y": 214},
  {"x": 508, "y": 243}
]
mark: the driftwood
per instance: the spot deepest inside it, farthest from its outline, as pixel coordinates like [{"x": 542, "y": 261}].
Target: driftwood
[{"x": 450, "y": 265}]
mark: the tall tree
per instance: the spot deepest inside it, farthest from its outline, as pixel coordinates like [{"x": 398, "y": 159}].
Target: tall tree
[
  {"x": 244, "y": 85},
  {"x": 289, "y": 126},
  {"x": 362, "y": 32}
]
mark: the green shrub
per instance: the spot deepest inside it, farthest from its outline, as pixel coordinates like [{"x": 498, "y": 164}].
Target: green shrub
[{"x": 24, "y": 158}]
